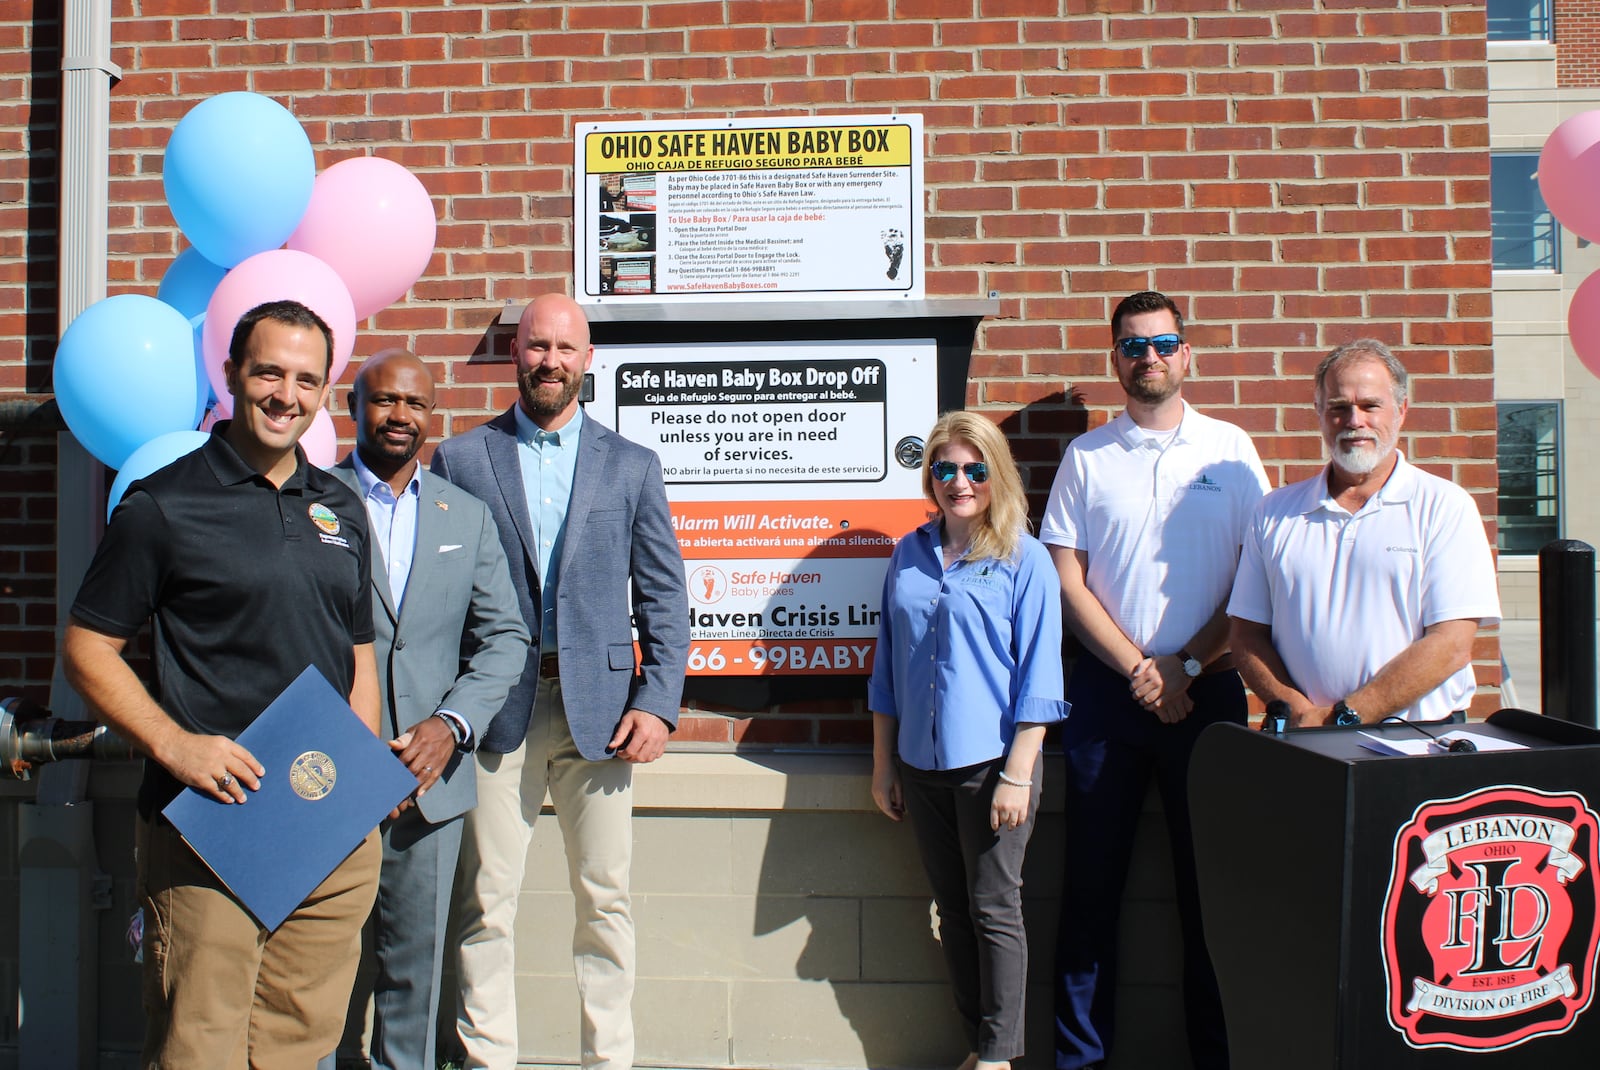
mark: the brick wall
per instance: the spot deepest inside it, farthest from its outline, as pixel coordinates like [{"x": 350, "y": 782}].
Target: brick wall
[
  {"x": 1296, "y": 172},
  {"x": 1577, "y": 34},
  {"x": 29, "y": 94}
]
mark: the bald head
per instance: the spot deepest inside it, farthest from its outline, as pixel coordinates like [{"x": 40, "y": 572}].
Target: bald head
[
  {"x": 552, "y": 351},
  {"x": 390, "y": 358},
  {"x": 392, "y": 404}
]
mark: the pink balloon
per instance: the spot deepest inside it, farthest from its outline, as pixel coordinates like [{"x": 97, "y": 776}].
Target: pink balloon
[
  {"x": 1569, "y": 174},
  {"x": 371, "y": 220},
  {"x": 275, "y": 275},
  {"x": 1583, "y": 322},
  {"x": 321, "y": 441}
]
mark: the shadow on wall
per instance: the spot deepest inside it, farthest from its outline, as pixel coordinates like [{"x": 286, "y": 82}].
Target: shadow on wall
[{"x": 854, "y": 880}]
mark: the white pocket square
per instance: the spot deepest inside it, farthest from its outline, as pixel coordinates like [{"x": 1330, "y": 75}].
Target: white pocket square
[{"x": 452, "y": 546}]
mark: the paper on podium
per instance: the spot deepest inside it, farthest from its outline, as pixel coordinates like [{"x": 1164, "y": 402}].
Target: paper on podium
[
  {"x": 1440, "y": 745},
  {"x": 329, "y": 782}
]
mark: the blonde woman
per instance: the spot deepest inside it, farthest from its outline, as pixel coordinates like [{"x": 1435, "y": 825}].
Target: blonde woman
[{"x": 966, "y": 677}]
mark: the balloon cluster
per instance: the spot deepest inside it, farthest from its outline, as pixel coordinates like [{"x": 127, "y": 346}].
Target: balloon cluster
[
  {"x": 135, "y": 375},
  {"x": 1569, "y": 179}
]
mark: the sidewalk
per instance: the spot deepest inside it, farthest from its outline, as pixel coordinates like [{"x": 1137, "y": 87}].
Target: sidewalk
[
  {"x": 1519, "y": 656},
  {"x": 1519, "y": 652}
]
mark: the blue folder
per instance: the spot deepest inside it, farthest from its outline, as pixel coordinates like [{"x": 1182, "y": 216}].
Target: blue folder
[{"x": 329, "y": 782}]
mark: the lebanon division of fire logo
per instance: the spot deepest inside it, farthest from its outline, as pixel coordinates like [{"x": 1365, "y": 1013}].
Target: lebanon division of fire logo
[{"x": 1489, "y": 928}]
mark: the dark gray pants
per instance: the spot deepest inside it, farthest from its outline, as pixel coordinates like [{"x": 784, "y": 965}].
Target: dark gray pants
[{"x": 976, "y": 874}]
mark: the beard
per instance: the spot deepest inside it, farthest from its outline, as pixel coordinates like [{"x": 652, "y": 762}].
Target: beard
[
  {"x": 1359, "y": 460},
  {"x": 542, "y": 402},
  {"x": 399, "y": 453},
  {"x": 1150, "y": 391}
]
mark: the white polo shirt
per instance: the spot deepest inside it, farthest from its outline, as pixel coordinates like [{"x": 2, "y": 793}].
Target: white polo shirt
[
  {"x": 1344, "y": 594},
  {"x": 1161, "y": 520}
]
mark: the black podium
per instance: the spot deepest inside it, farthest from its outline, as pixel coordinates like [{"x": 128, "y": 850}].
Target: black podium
[{"x": 1379, "y": 912}]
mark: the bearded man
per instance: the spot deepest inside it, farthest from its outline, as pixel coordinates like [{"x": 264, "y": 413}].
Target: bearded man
[
  {"x": 1144, "y": 524},
  {"x": 582, "y": 514},
  {"x": 1360, "y": 590}
]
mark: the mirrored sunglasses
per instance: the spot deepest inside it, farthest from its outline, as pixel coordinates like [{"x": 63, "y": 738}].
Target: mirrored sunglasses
[
  {"x": 1166, "y": 345},
  {"x": 945, "y": 471}
]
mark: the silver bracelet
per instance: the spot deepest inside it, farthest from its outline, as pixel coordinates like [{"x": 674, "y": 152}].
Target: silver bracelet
[{"x": 1015, "y": 783}]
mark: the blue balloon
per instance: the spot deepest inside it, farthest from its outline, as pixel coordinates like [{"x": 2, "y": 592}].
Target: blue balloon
[
  {"x": 125, "y": 373},
  {"x": 238, "y": 173},
  {"x": 153, "y": 455},
  {"x": 187, "y": 286},
  {"x": 189, "y": 283}
]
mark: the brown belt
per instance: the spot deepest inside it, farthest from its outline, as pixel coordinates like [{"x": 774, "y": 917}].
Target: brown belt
[
  {"x": 1224, "y": 663},
  {"x": 550, "y": 666}
]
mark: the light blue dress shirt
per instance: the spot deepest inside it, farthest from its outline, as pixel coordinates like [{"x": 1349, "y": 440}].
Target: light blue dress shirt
[
  {"x": 967, "y": 654},
  {"x": 393, "y": 522},
  {"x": 548, "y": 460}
]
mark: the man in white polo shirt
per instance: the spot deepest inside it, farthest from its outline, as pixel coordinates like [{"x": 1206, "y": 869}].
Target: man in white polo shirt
[
  {"x": 1361, "y": 589},
  {"x": 1144, "y": 523}
]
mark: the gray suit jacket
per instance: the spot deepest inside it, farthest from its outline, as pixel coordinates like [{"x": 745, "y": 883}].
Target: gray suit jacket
[
  {"x": 459, "y": 642},
  {"x": 618, "y": 539}
]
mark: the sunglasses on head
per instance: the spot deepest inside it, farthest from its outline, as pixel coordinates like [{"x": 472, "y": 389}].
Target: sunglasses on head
[
  {"x": 1166, "y": 345},
  {"x": 945, "y": 471}
]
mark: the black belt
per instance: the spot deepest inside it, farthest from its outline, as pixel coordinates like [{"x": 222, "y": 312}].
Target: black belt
[{"x": 549, "y": 666}]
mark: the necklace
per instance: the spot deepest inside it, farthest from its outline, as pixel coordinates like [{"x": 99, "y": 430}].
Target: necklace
[{"x": 952, "y": 554}]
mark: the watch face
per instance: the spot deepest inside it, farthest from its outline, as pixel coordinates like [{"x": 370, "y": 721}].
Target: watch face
[{"x": 1192, "y": 667}]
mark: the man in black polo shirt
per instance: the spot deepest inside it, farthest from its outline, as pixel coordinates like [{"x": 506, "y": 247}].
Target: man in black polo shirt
[{"x": 253, "y": 564}]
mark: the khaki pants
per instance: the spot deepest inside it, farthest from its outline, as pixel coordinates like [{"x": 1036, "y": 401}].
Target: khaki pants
[
  {"x": 219, "y": 990},
  {"x": 594, "y": 806}
]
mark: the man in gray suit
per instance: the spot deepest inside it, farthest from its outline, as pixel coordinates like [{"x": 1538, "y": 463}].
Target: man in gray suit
[
  {"x": 583, "y": 516},
  {"x": 450, "y": 643}
]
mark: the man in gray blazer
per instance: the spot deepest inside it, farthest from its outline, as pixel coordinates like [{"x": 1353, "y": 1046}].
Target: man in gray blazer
[
  {"x": 583, "y": 516},
  {"x": 450, "y": 643}
]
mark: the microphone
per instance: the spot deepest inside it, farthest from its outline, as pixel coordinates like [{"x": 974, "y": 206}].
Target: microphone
[
  {"x": 1276, "y": 718},
  {"x": 1454, "y": 746}
]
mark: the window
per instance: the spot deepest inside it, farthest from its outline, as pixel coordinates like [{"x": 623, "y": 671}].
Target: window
[
  {"x": 1530, "y": 475},
  {"x": 1525, "y": 233},
  {"x": 1519, "y": 20}
]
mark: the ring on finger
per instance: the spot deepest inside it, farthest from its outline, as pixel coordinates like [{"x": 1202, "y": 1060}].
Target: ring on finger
[{"x": 224, "y": 781}]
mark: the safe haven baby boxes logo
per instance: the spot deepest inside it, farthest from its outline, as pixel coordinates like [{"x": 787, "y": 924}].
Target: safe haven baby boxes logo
[{"x": 1489, "y": 928}]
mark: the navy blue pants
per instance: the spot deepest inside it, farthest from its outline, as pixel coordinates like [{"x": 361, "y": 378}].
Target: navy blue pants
[{"x": 1113, "y": 747}]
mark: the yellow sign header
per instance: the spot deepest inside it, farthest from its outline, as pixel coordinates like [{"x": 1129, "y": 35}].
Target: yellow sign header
[{"x": 749, "y": 149}]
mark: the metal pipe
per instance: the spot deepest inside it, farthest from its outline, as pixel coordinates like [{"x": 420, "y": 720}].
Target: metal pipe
[
  {"x": 1567, "y": 675},
  {"x": 31, "y": 736}
]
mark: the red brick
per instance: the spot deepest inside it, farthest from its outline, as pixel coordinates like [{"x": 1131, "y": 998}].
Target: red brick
[
  {"x": 1147, "y": 139},
  {"x": 1277, "y": 165},
  {"x": 1404, "y": 192},
  {"x": 1364, "y": 165},
  {"x": 953, "y": 34}
]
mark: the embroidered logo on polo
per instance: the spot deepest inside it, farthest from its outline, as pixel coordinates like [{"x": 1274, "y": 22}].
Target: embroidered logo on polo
[
  {"x": 326, "y": 520},
  {"x": 985, "y": 575},
  {"x": 312, "y": 775},
  {"x": 1206, "y": 483},
  {"x": 1489, "y": 927}
]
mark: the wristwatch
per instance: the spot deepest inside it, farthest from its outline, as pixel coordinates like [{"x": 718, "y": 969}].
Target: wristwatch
[
  {"x": 1191, "y": 664},
  {"x": 457, "y": 730},
  {"x": 1343, "y": 715}
]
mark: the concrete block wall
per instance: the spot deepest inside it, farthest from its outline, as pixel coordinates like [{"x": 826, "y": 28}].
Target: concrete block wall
[{"x": 775, "y": 933}]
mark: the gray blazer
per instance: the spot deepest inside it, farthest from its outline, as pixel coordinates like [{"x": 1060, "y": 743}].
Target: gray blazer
[
  {"x": 617, "y": 540},
  {"x": 459, "y": 643}
]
